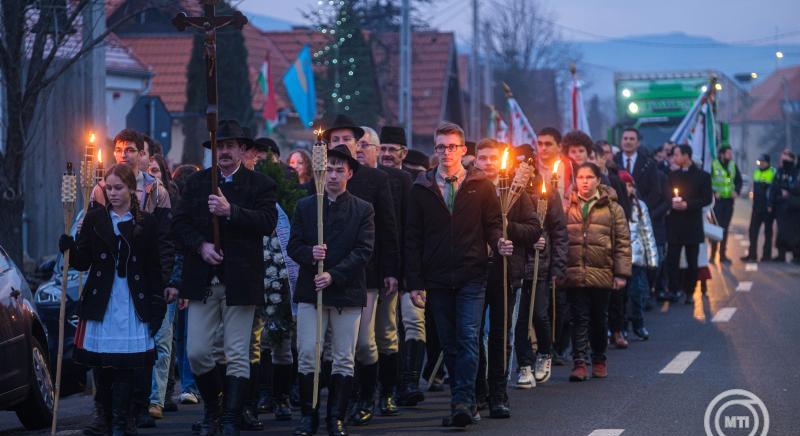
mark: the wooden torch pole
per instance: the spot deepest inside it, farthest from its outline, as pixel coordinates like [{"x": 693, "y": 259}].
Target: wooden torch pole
[
  {"x": 319, "y": 161},
  {"x": 69, "y": 194}
]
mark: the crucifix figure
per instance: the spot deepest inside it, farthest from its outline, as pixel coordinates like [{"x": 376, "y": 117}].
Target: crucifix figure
[{"x": 208, "y": 24}]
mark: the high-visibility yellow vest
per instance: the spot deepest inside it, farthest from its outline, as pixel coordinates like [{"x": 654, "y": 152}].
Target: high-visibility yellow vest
[
  {"x": 764, "y": 176},
  {"x": 722, "y": 179}
]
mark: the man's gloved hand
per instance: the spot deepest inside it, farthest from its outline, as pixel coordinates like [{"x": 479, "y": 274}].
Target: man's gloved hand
[{"x": 66, "y": 242}]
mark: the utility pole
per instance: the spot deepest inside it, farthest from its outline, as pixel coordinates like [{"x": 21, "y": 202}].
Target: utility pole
[
  {"x": 788, "y": 111},
  {"x": 474, "y": 75},
  {"x": 405, "y": 110}
]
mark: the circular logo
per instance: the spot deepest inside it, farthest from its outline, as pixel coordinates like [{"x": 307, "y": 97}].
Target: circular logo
[{"x": 736, "y": 412}]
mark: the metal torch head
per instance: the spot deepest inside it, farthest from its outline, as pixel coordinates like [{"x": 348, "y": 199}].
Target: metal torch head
[
  {"x": 69, "y": 188},
  {"x": 319, "y": 157}
]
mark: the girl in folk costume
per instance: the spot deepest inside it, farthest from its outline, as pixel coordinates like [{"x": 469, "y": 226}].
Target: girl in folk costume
[{"x": 122, "y": 304}]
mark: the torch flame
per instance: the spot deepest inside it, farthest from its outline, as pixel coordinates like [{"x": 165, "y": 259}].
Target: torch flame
[
  {"x": 544, "y": 187},
  {"x": 555, "y": 167},
  {"x": 91, "y": 138},
  {"x": 504, "y": 161},
  {"x": 99, "y": 154}
]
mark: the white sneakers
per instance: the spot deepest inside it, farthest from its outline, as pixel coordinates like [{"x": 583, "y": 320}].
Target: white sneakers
[
  {"x": 188, "y": 398},
  {"x": 543, "y": 364},
  {"x": 525, "y": 380}
]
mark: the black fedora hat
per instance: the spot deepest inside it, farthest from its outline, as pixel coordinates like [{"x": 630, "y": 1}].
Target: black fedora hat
[
  {"x": 393, "y": 135},
  {"x": 418, "y": 158},
  {"x": 230, "y": 129},
  {"x": 267, "y": 144},
  {"x": 343, "y": 122},
  {"x": 342, "y": 152}
]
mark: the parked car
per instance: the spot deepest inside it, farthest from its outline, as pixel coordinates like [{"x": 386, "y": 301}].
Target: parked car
[
  {"x": 26, "y": 386},
  {"x": 48, "y": 302}
]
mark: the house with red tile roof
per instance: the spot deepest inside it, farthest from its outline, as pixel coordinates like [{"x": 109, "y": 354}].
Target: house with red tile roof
[{"x": 761, "y": 126}]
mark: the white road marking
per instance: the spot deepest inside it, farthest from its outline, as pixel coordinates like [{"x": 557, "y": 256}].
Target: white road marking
[
  {"x": 744, "y": 286},
  {"x": 751, "y": 267},
  {"x": 680, "y": 363},
  {"x": 724, "y": 314},
  {"x": 607, "y": 432},
  {"x": 744, "y": 243},
  {"x": 738, "y": 236}
]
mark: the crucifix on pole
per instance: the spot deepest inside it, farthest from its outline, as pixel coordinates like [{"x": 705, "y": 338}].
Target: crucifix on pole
[{"x": 208, "y": 24}]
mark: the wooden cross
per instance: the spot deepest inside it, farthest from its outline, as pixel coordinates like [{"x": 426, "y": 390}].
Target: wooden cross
[{"x": 208, "y": 24}]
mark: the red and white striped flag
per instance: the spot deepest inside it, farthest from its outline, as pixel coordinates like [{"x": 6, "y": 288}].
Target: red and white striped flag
[{"x": 521, "y": 130}]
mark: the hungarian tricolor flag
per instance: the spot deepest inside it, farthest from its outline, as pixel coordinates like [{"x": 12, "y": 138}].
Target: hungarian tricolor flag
[{"x": 269, "y": 113}]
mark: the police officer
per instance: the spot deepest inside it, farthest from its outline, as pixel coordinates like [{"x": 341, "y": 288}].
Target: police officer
[
  {"x": 726, "y": 181},
  {"x": 763, "y": 177}
]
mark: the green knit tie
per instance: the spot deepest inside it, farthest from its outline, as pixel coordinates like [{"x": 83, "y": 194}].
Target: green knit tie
[{"x": 451, "y": 192}]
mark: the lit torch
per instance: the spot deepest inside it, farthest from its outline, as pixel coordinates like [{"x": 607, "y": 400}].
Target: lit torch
[
  {"x": 319, "y": 163},
  {"x": 99, "y": 172}
]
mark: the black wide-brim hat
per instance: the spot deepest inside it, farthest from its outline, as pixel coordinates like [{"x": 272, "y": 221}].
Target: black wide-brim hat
[
  {"x": 418, "y": 158},
  {"x": 393, "y": 135},
  {"x": 267, "y": 144},
  {"x": 343, "y": 122},
  {"x": 230, "y": 129},
  {"x": 342, "y": 152}
]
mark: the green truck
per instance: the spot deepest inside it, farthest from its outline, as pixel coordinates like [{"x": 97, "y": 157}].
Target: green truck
[{"x": 655, "y": 103}]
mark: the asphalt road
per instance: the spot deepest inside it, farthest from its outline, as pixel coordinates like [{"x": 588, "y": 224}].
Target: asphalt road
[{"x": 733, "y": 339}]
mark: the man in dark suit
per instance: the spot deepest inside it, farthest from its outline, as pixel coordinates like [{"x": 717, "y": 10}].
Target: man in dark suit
[
  {"x": 371, "y": 185},
  {"x": 640, "y": 164},
  {"x": 691, "y": 193},
  {"x": 224, "y": 287}
]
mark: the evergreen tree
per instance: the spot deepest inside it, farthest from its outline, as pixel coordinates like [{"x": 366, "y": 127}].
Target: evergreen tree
[
  {"x": 233, "y": 87},
  {"x": 350, "y": 86}
]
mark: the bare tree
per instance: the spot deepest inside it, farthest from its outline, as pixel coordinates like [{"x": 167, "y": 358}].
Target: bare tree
[
  {"x": 39, "y": 42},
  {"x": 523, "y": 42}
]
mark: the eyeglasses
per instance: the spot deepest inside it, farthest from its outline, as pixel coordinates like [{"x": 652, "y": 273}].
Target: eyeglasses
[
  {"x": 440, "y": 148},
  {"x": 389, "y": 149},
  {"x": 364, "y": 145}
]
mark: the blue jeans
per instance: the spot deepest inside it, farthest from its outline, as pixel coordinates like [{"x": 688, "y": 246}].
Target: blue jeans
[
  {"x": 638, "y": 290},
  {"x": 458, "y": 317},
  {"x": 184, "y": 370},
  {"x": 163, "y": 341}
]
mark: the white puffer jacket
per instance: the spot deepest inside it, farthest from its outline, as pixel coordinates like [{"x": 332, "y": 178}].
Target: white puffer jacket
[{"x": 643, "y": 242}]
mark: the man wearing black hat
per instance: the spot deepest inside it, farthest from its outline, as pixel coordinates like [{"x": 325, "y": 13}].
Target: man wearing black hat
[
  {"x": 416, "y": 162},
  {"x": 371, "y": 185},
  {"x": 224, "y": 288},
  {"x": 763, "y": 177},
  {"x": 349, "y": 231}
]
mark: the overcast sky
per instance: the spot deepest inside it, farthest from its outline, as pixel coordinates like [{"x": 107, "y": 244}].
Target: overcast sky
[{"x": 724, "y": 20}]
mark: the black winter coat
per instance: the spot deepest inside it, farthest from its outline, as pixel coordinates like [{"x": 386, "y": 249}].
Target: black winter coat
[
  {"x": 658, "y": 215},
  {"x": 373, "y": 186},
  {"x": 446, "y": 250},
  {"x": 349, "y": 233},
  {"x": 523, "y": 230},
  {"x": 686, "y": 226},
  {"x": 97, "y": 250},
  {"x": 253, "y": 216},
  {"x": 553, "y": 259},
  {"x": 400, "y": 183}
]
